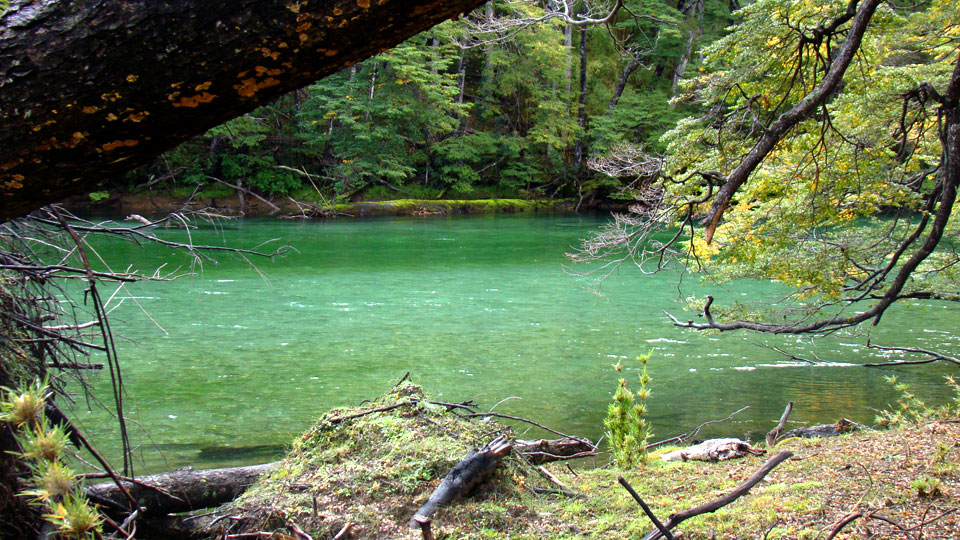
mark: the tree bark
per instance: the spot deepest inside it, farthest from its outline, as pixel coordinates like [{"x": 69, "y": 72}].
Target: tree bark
[
  {"x": 179, "y": 491},
  {"x": 92, "y": 88},
  {"x": 622, "y": 83}
]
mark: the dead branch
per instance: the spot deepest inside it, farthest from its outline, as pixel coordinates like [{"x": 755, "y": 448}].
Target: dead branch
[
  {"x": 686, "y": 436},
  {"x": 489, "y": 29},
  {"x": 646, "y": 509},
  {"x": 553, "y": 479},
  {"x": 298, "y": 532},
  {"x": 472, "y": 470},
  {"x": 773, "y": 433},
  {"x": 934, "y": 356},
  {"x": 848, "y": 519},
  {"x": 273, "y": 208},
  {"x": 339, "y": 419},
  {"x": 547, "y": 450},
  {"x": 713, "y": 506},
  {"x": 519, "y": 419}
]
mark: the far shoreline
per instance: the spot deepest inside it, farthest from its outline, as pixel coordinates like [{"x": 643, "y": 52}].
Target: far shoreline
[{"x": 289, "y": 208}]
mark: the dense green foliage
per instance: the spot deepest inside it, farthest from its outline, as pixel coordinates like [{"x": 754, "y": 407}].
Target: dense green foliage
[
  {"x": 870, "y": 150},
  {"x": 850, "y": 200},
  {"x": 480, "y": 107}
]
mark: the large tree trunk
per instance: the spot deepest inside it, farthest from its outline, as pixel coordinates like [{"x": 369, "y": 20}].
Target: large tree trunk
[{"x": 93, "y": 88}]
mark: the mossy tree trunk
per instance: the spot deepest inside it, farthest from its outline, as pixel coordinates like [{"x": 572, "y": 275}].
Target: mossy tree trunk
[{"x": 93, "y": 88}]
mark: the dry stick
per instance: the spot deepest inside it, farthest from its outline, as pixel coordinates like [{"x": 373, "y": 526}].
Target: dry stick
[
  {"x": 245, "y": 190},
  {"x": 338, "y": 419},
  {"x": 112, "y": 362},
  {"x": 929, "y": 521},
  {"x": 298, "y": 532},
  {"x": 552, "y": 478},
  {"x": 713, "y": 506},
  {"x": 550, "y": 491},
  {"x": 646, "y": 509},
  {"x": 905, "y": 531},
  {"x": 843, "y": 523},
  {"x": 684, "y": 436},
  {"x": 520, "y": 419},
  {"x": 775, "y": 432},
  {"x": 134, "y": 481},
  {"x": 344, "y": 532}
]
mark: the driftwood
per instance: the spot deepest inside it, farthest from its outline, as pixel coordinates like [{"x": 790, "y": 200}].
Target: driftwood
[
  {"x": 472, "y": 470},
  {"x": 826, "y": 430},
  {"x": 178, "y": 491},
  {"x": 547, "y": 450},
  {"x": 713, "y": 450},
  {"x": 716, "y": 504}
]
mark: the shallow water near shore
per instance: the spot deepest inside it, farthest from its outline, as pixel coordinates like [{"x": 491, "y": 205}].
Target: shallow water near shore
[{"x": 475, "y": 308}]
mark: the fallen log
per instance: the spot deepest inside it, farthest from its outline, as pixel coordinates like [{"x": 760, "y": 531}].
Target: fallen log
[
  {"x": 177, "y": 491},
  {"x": 825, "y": 430},
  {"x": 464, "y": 476},
  {"x": 713, "y": 450},
  {"x": 546, "y": 450}
]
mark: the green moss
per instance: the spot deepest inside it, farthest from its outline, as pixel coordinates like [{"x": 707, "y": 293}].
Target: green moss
[{"x": 450, "y": 206}]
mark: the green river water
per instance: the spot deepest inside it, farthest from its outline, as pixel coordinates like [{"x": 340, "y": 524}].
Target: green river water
[{"x": 475, "y": 308}]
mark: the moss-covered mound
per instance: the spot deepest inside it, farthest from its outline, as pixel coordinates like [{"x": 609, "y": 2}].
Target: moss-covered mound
[{"x": 375, "y": 471}]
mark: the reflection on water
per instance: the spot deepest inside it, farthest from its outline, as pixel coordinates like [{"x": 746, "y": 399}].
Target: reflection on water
[{"x": 474, "y": 308}]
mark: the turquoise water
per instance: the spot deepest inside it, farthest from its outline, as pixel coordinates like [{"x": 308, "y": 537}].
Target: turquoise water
[{"x": 475, "y": 308}]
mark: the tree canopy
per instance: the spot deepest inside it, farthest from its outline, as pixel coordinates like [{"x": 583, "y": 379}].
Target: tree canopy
[
  {"x": 827, "y": 158},
  {"x": 489, "y": 105}
]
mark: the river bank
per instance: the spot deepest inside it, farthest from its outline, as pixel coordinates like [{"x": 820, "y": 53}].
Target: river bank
[
  {"x": 227, "y": 202},
  {"x": 363, "y": 472}
]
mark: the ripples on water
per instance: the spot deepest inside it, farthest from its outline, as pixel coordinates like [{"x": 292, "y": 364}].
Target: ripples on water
[{"x": 475, "y": 307}]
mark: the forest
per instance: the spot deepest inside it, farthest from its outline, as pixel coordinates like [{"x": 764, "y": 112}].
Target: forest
[{"x": 513, "y": 101}]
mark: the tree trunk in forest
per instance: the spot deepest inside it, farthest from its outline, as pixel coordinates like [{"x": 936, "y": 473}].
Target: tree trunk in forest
[
  {"x": 622, "y": 83},
  {"x": 578, "y": 148},
  {"x": 488, "y": 50},
  {"x": 697, "y": 7},
  {"x": 93, "y": 88},
  {"x": 568, "y": 46}
]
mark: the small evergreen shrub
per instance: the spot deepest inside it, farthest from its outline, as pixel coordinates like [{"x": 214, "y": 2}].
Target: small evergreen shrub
[{"x": 627, "y": 429}]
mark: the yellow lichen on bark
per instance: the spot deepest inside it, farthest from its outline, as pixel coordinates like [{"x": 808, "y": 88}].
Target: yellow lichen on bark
[{"x": 193, "y": 101}]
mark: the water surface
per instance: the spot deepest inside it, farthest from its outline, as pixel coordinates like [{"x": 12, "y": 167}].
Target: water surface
[{"x": 474, "y": 307}]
